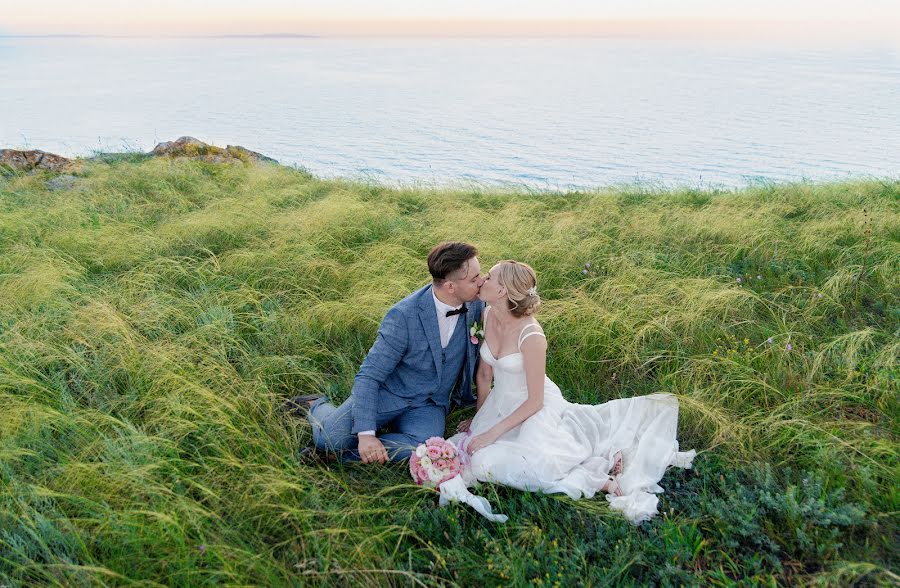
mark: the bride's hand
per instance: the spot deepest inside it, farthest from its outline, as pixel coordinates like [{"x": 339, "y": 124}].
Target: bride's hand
[
  {"x": 479, "y": 442},
  {"x": 463, "y": 426}
]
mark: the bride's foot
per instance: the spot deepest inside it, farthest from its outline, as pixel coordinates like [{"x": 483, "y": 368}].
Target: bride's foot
[
  {"x": 612, "y": 487},
  {"x": 617, "y": 464}
]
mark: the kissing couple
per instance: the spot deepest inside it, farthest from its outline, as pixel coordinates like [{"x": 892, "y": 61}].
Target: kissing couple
[{"x": 427, "y": 357}]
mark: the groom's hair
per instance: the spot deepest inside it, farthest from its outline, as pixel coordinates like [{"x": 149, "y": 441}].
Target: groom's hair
[{"x": 447, "y": 258}]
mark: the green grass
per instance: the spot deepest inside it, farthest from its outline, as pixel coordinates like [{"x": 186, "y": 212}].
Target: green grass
[{"x": 154, "y": 316}]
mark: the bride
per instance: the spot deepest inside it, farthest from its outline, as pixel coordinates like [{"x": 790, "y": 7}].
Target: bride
[{"x": 526, "y": 435}]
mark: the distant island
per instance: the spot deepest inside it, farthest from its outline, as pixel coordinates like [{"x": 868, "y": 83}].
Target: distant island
[{"x": 96, "y": 36}]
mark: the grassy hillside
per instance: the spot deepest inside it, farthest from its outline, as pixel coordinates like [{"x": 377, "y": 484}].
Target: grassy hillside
[{"x": 154, "y": 314}]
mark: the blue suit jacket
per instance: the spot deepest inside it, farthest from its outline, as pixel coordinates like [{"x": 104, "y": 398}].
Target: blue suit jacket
[{"x": 403, "y": 367}]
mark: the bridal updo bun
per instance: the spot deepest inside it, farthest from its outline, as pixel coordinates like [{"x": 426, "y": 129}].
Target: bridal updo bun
[{"x": 521, "y": 285}]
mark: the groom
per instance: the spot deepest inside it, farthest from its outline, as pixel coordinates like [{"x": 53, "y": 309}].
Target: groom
[{"x": 422, "y": 356}]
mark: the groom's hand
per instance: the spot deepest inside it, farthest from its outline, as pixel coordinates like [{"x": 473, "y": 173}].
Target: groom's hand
[{"x": 371, "y": 449}]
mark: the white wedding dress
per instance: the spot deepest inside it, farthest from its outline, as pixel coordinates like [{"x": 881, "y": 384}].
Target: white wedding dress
[{"x": 569, "y": 448}]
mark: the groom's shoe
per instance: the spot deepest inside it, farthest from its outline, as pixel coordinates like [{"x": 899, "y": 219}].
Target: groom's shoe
[
  {"x": 298, "y": 406},
  {"x": 312, "y": 455}
]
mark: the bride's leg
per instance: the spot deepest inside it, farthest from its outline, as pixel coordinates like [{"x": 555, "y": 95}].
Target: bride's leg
[
  {"x": 617, "y": 464},
  {"x": 611, "y": 487}
]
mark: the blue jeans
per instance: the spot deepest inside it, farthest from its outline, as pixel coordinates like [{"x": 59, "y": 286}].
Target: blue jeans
[{"x": 331, "y": 428}]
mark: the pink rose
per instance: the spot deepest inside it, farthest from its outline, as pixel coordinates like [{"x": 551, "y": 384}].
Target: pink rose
[
  {"x": 474, "y": 340},
  {"x": 449, "y": 452},
  {"x": 418, "y": 472},
  {"x": 441, "y": 464},
  {"x": 455, "y": 470},
  {"x": 434, "y": 441},
  {"x": 434, "y": 452}
]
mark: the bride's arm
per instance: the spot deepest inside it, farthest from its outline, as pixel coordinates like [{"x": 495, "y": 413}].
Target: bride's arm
[
  {"x": 483, "y": 378},
  {"x": 534, "y": 354}
]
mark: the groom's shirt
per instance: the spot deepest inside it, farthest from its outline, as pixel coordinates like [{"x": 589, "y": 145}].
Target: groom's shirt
[{"x": 446, "y": 324}]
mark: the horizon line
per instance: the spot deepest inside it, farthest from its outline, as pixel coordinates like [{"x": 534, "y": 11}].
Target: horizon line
[{"x": 170, "y": 36}]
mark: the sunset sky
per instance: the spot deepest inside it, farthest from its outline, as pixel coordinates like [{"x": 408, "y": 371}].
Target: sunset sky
[{"x": 324, "y": 17}]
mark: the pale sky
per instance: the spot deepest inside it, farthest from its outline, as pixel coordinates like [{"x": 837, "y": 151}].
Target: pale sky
[{"x": 203, "y": 17}]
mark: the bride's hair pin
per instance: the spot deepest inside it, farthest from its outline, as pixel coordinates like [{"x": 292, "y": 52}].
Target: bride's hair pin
[{"x": 532, "y": 291}]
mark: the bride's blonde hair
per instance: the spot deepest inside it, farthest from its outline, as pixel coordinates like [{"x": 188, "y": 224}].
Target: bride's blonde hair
[{"x": 521, "y": 287}]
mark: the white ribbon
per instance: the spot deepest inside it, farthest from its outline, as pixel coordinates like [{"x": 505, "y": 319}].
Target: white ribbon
[{"x": 454, "y": 490}]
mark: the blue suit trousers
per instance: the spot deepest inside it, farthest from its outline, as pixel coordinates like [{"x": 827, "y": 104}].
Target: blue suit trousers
[{"x": 409, "y": 427}]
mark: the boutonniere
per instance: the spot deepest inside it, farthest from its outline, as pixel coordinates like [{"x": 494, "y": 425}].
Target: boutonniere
[{"x": 476, "y": 333}]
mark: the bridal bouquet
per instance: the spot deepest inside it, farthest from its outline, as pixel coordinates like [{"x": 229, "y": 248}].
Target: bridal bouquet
[
  {"x": 434, "y": 462},
  {"x": 437, "y": 464}
]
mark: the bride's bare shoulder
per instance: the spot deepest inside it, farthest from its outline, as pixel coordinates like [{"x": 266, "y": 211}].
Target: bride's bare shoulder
[{"x": 532, "y": 327}]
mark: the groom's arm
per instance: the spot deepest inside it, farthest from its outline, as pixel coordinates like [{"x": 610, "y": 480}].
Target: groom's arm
[{"x": 387, "y": 351}]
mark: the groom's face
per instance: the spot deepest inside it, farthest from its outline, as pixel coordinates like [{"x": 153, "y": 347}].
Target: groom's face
[{"x": 467, "y": 281}]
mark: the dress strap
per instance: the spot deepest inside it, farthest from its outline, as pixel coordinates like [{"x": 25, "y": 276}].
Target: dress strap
[{"x": 523, "y": 335}]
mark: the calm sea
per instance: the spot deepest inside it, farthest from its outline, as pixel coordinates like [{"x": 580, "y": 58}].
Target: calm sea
[{"x": 543, "y": 113}]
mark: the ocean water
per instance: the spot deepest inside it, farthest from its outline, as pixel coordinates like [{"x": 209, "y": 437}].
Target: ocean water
[{"x": 542, "y": 113}]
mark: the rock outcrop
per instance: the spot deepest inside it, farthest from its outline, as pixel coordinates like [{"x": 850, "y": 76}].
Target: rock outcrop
[
  {"x": 187, "y": 147},
  {"x": 34, "y": 159},
  {"x": 197, "y": 149}
]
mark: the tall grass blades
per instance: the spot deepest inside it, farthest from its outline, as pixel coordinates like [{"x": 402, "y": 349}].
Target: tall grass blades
[{"x": 155, "y": 314}]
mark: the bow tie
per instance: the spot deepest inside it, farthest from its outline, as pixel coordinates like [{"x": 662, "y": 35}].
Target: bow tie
[{"x": 461, "y": 310}]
